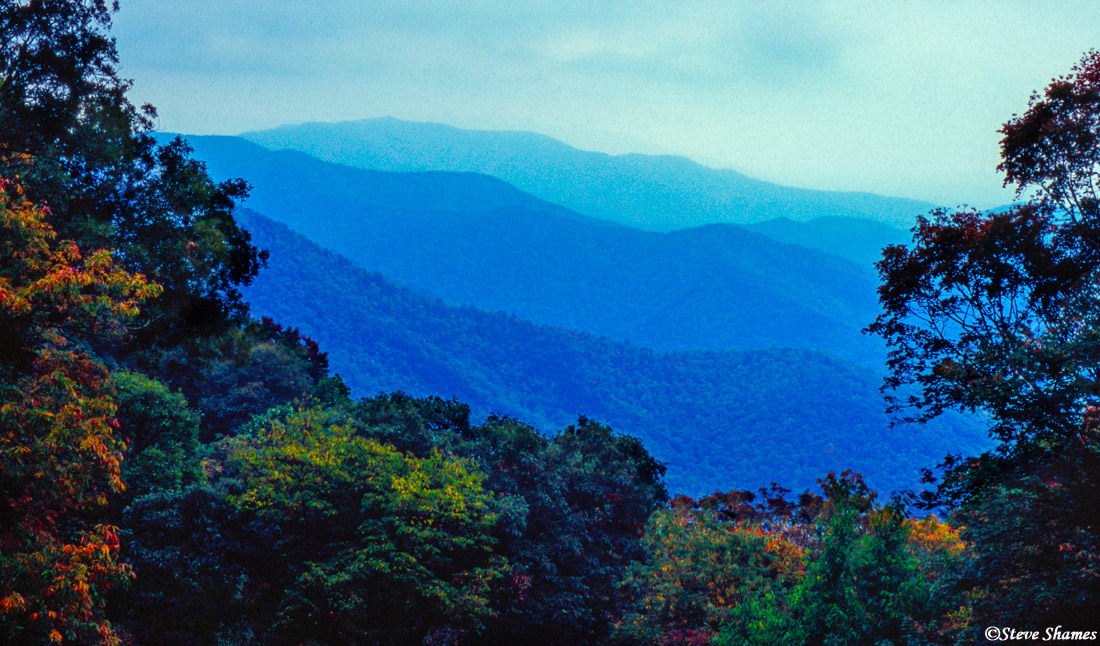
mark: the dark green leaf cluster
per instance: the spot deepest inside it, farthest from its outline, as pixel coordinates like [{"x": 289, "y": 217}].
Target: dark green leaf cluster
[
  {"x": 837, "y": 568},
  {"x": 81, "y": 148}
]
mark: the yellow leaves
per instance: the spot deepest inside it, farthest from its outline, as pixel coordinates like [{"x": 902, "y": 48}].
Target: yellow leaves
[
  {"x": 11, "y": 301},
  {"x": 440, "y": 486},
  {"x": 302, "y": 462},
  {"x": 290, "y": 462},
  {"x": 929, "y": 535},
  {"x": 55, "y": 636}
]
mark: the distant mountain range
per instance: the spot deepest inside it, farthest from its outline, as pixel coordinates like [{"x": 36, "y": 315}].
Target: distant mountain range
[
  {"x": 731, "y": 351},
  {"x": 474, "y": 240},
  {"x": 720, "y": 419},
  {"x": 658, "y": 193}
]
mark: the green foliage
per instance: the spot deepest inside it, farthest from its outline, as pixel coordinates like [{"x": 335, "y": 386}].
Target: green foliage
[
  {"x": 831, "y": 604},
  {"x": 375, "y": 543},
  {"x": 193, "y": 554},
  {"x": 419, "y": 425},
  {"x": 569, "y": 508},
  {"x": 873, "y": 576},
  {"x": 485, "y": 534},
  {"x": 59, "y": 78},
  {"x": 573, "y": 507},
  {"x": 1033, "y": 522},
  {"x": 161, "y": 433},
  {"x": 79, "y": 145},
  {"x": 234, "y": 388},
  {"x": 699, "y": 572},
  {"x": 234, "y": 375}
]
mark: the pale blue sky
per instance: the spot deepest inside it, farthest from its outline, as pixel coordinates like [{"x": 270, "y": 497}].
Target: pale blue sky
[{"x": 899, "y": 98}]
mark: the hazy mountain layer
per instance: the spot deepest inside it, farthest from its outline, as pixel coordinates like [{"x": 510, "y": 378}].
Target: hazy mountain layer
[
  {"x": 720, "y": 419},
  {"x": 860, "y": 241},
  {"x": 659, "y": 193},
  {"x": 474, "y": 240}
]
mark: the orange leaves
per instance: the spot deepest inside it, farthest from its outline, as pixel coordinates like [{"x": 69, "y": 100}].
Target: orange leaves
[
  {"x": 56, "y": 426},
  {"x": 931, "y": 535},
  {"x": 12, "y": 603},
  {"x": 788, "y": 560},
  {"x": 61, "y": 587},
  {"x": 57, "y": 282}
]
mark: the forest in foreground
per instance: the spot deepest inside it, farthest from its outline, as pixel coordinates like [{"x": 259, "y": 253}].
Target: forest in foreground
[{"x": 174, "y": 471}]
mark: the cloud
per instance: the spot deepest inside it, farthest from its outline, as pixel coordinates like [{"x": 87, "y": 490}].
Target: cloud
[{"x": 702, "y": 44}]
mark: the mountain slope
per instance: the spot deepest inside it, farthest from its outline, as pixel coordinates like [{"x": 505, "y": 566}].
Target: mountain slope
[
  {"x": 473, "y": 240},
  {"x": 860, "y": 241},
  {"x": 659, "y": 193},
  {"x": 720, "y": 419}
]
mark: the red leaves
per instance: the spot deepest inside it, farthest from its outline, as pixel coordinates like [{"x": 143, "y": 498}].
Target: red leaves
[{"x": 1053, "y": 147}]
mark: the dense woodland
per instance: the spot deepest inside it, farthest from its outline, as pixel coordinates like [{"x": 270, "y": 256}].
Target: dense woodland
[
  {"x": 176, "y": 472},
  {"x": 735, "y": 418}
]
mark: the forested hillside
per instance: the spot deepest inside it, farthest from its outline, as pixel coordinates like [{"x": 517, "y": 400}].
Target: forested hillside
[
  {"x": 473, "y": 241},
  {"x": 860, "y": 241},
  {"x": 718, "y": 419},
  {"x": 657, "y": 193}
]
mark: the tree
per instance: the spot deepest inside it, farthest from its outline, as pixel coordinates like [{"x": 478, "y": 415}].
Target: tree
[
  {"x": 253, "y": 369},
  {"x": 587, "y": 492},
  {"x": 84, "y": 150},
  {"x": 1000, "y": 313},
  {"x": 997, "y": 311},
  {"x": 376, "y": 545},
  {"x": 699, "y": 568},
  {"x": 59, "y": 452},
  {"x": 570, "y": 510},
  {"x": 161, "y": 433},
  {"x": 871, "y": 575},
  {"x": 59, "y": 75},
  {"x": 191, "y": 550}
]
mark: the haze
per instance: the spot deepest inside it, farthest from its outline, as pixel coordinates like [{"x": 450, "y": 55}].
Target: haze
[{"x": 898, "y": 99}]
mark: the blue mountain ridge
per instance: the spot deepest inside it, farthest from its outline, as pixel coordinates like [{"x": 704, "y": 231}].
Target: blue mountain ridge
[
  {"x": 474, "y": 240},
  {"x": 654, "y": 192},
  {"x": 739, "y": 418}
]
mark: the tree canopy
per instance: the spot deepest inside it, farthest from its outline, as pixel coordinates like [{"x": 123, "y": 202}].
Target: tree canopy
[
  {"x": 999, "y": 312},
  {"x": 59, "y": 447}
]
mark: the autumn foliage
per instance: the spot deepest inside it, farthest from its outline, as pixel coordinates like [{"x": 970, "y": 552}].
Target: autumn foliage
[
  {"x": 58, "y": 439},
  {"x": 173, "y": 472}
]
